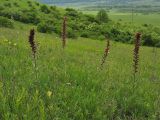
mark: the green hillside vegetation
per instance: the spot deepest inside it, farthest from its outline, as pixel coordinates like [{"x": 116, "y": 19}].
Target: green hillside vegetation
[
  {"x": 48, "y": 19},
  {"x": 70, "y": 83}
]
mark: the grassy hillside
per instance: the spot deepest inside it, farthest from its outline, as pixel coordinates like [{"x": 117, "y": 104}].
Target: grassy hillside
[
  {"x": 70, "y": 84},
  {"x": 48, "y": 19}
]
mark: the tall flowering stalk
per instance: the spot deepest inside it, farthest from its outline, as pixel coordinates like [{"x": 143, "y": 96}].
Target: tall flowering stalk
[
  {"x": 32, "y": 42},
  {"x": 34, "y": 49},
  {"x": 64, "y": 36},
  {"x": 106, "y": 52},
  {"x": 136, "y": 53}
]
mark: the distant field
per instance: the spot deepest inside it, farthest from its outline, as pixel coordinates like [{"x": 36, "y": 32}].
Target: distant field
[{"x": 127, "y": 17}]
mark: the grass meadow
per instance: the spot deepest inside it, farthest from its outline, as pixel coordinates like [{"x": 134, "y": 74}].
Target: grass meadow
[
  {"x": 138, "y": 18},
  {"x": 68, "y": 84}
]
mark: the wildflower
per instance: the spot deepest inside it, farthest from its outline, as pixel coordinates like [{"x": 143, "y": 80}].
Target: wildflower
[
  {"x": 68, "y": 83},
  {"x": 15, "y": 44},
  {"x": 32, "y": 42},
  {"x": 37, "y": 92},
  {"x": 9, "y": 43},
  {"x": 33, "y": 46},
  {"x": 49, "y": 93},
  {"x": 136, "y": 52},
  {"x": 106, "y": 52},
  {"x": 6, "y": 40}
]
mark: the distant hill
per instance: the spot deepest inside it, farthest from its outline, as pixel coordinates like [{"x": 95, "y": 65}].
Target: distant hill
[
  {"x": 108, "y": 2},
  {"x": 140, "y": 6}
]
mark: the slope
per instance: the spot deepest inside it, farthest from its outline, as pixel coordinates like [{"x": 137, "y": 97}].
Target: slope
[{"x": 70, "y": 84}]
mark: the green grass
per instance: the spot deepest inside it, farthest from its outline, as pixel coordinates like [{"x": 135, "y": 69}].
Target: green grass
[
  {"x": 20, "y": 3},
  {"x": 70, "y": 84},
  {"x": 138, "y": 18}
]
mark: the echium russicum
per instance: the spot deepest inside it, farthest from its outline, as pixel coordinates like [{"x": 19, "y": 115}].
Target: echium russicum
[
  {"x": 32, "y": 42},
  {"x": 136, "y": 52}
]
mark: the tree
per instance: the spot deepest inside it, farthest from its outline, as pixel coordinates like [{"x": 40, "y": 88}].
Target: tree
[{"x": 102, "y": 16}]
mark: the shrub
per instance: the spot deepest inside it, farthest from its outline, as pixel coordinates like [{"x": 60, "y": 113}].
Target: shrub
[
  {"x": 147, "y": 40},
  {"x": 2, "y": 8},
  {"x": 16, "y": 15},
  {"x": 29, "y": 3},
  {"x": 8, "y": 13},
  {"x": 53, "y": 8},
  {"x": 115, "y": 32},
  {"x": 4, "y": 22},
  {"x": 101, "y": 37},
  {"x": 57, "y": 29},
  {"x": 71, "y": 33},
  {"x": 29, "y": 17},
  {"x": 72, "y": 13},
  {"x": 45, "y": 9},
  {"x": 45, "y": 27},
  {"x": 85, "y": 34},
  {"x": 124, "y": 37},
  {"x": 7, "y": 4},
  {"x": 25, "y": 16},
  {"x": 90, "y": 18},
  {"x": 37, "y": 4},
  {"x": 74, "y": 25},
  {"x": 70, "y": 9},
  {"x": 16, "y": 4}
]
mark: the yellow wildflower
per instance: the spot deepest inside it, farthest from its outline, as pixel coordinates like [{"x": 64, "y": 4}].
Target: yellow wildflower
[
  {"x": 5, "y": 40},
  {"x": 37, "y": 92},
  {"x": 15, "y": 44},
  {"x": 49, "y": 93},
  {"x": 9, "y": 43}
]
